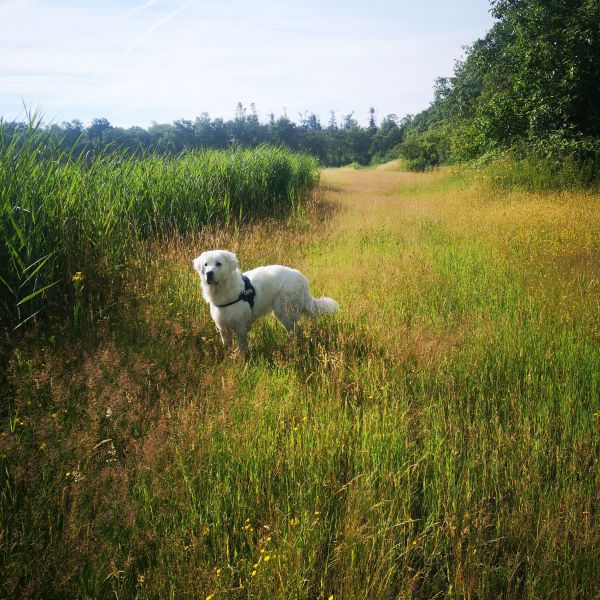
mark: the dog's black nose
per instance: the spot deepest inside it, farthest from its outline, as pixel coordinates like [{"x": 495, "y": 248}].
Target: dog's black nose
[{"x": 210, "y": 276}]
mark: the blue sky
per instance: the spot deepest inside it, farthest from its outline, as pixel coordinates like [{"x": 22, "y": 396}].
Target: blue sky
[{"x": 139, "y": 61}]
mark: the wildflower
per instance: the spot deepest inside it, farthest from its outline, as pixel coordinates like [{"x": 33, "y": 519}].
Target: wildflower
[
  {"x": 253, "y": 573},
  {"x": 77, "y": 277},
  {"x": 218, "y": 571},
  {"x": 43, "y": 446},
  {"x": 68, "y": 474},
  {"x": 317, "y": 513},
  {"x": 294, "y": 522},
  {"x": 268, "y": 539},
  {"x": 330, "y": 597},
  {"x": 267, "y": 558},
  {"x": 210, "y": 597}
]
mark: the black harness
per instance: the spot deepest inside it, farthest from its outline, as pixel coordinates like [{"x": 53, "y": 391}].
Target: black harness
[{"x": 247, "y": 295}]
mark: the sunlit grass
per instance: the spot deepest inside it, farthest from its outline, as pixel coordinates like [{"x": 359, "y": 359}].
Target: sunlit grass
[{"x": 438, "y": 437}]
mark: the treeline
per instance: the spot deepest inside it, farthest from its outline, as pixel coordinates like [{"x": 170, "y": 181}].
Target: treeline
[
  {"x": 529, "y": 90},
  {"x": 334, "y": 144}
]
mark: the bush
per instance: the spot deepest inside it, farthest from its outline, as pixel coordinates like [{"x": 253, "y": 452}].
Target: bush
[
  {"x": 425, "y": 150},
  {"x": 557, "y": 162}
]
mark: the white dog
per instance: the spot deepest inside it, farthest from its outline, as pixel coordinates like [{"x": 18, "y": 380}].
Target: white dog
[{"x": 237, "y": 300}]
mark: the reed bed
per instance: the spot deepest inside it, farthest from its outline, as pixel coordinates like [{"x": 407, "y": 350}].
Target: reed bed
[{"x": 64, "y": 216}]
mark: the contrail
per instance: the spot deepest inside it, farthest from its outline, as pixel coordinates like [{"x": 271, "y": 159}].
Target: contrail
[
  {"x": 154, "y": 27},
  {"x": 142, "y": 7}
]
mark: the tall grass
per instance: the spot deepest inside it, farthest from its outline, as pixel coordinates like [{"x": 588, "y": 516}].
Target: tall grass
[{"x": 61, "y": 215}]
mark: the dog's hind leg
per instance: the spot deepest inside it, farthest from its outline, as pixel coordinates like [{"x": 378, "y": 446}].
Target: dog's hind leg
[
  {"x": 289, "y": 321},
  {"x": 288, "y": 314}
]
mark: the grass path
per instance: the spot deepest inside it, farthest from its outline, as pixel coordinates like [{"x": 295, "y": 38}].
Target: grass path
[{"x": 439, "y": 437}]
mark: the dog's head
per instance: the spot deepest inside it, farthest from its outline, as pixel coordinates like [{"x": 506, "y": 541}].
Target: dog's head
[{"x": 215, "y": 266}]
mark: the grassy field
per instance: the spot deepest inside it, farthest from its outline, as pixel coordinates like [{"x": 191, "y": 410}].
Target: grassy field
[{"x": 439, "y": 437}]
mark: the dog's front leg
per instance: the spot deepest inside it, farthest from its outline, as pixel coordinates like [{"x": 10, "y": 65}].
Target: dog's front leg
[
  {"x": 226, "y": 337},
  {"x": 242, "y": 338}
]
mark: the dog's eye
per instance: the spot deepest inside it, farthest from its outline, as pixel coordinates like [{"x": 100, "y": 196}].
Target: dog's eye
[
  {"x": 206, "y": 264},
  {"x": 218, "y": 264}
]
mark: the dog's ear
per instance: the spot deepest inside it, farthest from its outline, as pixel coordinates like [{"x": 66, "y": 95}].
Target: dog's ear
[
  {"x": 198, "y": 263},
  {"x": 232, "y": 260}
]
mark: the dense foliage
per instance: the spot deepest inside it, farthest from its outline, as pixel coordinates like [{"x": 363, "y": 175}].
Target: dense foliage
[
  {"x": 531, "y": 86},
  {"x": 63, "y": 213}
]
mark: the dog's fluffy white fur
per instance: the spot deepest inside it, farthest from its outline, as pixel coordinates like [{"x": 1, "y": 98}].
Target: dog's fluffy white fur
[{"x": 279, "y": 290}]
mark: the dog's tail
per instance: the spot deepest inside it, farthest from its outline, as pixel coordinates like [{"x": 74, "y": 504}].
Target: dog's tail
[{"x": 323, "y": 305}]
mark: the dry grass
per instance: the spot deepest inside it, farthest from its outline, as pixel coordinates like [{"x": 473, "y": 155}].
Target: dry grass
[{"x": 437, "y": 438}]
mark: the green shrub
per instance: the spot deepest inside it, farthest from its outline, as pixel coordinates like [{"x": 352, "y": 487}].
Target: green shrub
[
  {"x": 555, "y": 163},
  {"x": 427, "y": 149}
]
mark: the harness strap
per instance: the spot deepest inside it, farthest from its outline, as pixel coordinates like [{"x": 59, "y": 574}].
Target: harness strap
[{"x": 247, "y": 295}]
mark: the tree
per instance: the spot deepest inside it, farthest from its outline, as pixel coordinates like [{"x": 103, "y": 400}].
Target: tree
[
  {"x": 97, "y": 129},
  {"x": 372, "y": 123}
]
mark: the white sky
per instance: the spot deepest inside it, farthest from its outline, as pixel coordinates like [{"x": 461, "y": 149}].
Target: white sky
[{"x": 138, "y": 61}]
